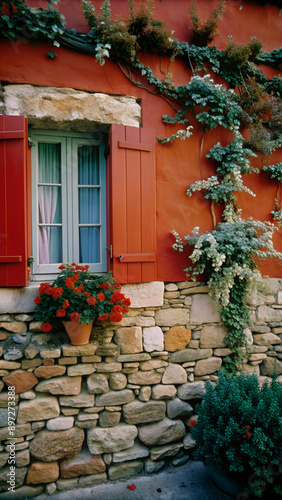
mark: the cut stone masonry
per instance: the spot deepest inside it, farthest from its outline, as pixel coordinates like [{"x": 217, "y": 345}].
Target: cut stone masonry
[{"x": 122, "y": 404}]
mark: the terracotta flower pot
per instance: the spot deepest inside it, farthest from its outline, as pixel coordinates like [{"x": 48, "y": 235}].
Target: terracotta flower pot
[{"x": 79, "y": 334}]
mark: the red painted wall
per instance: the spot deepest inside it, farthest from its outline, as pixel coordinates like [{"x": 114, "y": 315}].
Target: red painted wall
[{"x": 178, "y": 163}]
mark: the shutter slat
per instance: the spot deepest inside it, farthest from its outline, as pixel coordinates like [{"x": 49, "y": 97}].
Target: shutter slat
[
  {"x": 14, "y": 222},
  {"x": 133, "y": 198}
]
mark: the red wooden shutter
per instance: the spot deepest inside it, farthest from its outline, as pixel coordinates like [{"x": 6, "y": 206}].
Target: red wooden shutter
[
  {"x": 133, "y": 204},
  {"x": 14, "y": 201}
]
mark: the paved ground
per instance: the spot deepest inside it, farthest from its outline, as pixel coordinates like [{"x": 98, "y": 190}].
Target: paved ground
[{"x": 190, "y": 481}]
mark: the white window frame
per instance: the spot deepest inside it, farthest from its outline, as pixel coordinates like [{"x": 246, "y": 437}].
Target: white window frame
[{"x": 69, "y": 199}]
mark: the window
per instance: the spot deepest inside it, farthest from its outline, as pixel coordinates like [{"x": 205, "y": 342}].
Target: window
[{"x": 68, "y": 201}]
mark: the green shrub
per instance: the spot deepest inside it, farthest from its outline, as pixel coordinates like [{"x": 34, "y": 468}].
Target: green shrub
[{"x": 239, "y": 429}]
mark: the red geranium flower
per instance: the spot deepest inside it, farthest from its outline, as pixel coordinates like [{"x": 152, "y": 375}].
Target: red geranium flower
[
  {"x": 101, "y": 296},
  {"x": 247, "y": 427},
  {"x": 43, "y": 287},
  {"x": 103, "y": 317},
  {"x": 75, "y": 277},
  {"x": 46, "y": 327},
  {"x": 60, "y": 313},
  {"x": 86, "y": 294},
  {"x": 66, "y": 304},
  {"x": 37, "y": 300},
  {"x": 74, "y": 316},
  {"x": 49, "y": 290},
  {"x": 91, "y": 301},
  {"x": 77, "y": 289},
  {"x": 61, "y": 267},
  {"x": 131, "y": 486},
  {"x": 57, "y": 292},
  {"x": 192, "y": 422},
  {"x": 69, "y": 282}
]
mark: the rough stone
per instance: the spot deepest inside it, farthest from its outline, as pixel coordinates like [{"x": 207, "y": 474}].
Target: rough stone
[
  {"x": 117, "y": 381},
  {"x": 61, "y": 386},
  {"x": 82, "y": 400},
  {"x": 60, "y": 423},
  {"x": 22, "y": 458},
  {"x": 178, "y": 408},
  {"x": 79, "y": 350},
  {"x": 151, "y": 466},
  {"x": 145, "y": 393},
  {"x": 14, "y": 326},
  {"x": 267, "y": 339},
  {"x": 192, "y": 390},
  {"x": 189, "y": 442},
  {"x": 82, "y": 464},
  {"x": 125, "y": 469},
  {"x": 162, "y": 432},
  {"x": 19, "y": 431},
  {"x": 123, "y": 358},
  {"x": 56, "y": 105},
  {"x": 174, "y": 374},
  {"x": 108, "y": 350},
  {"x": 97, "y": 384},
  {"x": 144, "y": 378},
  {"x": 67, "y": 484},
  {"x": 81, "y": 369},
  {"x": 212, "y": 336},
  {"x": 42, "y": 472},
  {"x": 207, "y": 366},
  {"x": 271, "y": 365},
  {"x": 92, "y": 479},
  {"x": 23, "y": 492},
  {"x": 49, "y": 371},
  {"x": 177, "y": 338},
  {"x": 49, "y": 446},
  {"x": 21, "y": 380},
  {"x": 172, "y": 317},
  {"x": 161, "y": 392},
  {"x": 168, "y": 450},
  {"x": 34, "y": 409},
  {"x": 16, "y": 300},
  {"x": 109, "y": 418},
  {"x": 269, "y": 314},
  {"x": 145, "y": 294},
  {"x": 203, "y": 310},
  {"x": 20, "y": 474},
  {"x": 112, "y": 439},
  {"x": 114, "y": 398},
  {"x": 153, "y": 339},
  {"x": 3, "y": 459},
  {"x": 9, "y": 365},
  {"x": 4, "y": 400},
  {"x": 152, "y": 364},
  {"x": 189, "y": 355},
  {"x": 109, "y": 367},
  {"x": 129, "y": 339},
  {"x": 138, "y": 412},
  {"x": 50, "y": 353},
  {"x": 137, "y": 451}
]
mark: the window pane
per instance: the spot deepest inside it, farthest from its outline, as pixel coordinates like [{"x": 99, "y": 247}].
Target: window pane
[
  {"x": 89, "y": 244},
  {"x": 88, "y": 165},
  {"x": 49, "y": 158},
  {"x": 49, "y": 201},
  {"x": 50, "y": 245},
  {"x": 89, "y": 206}
]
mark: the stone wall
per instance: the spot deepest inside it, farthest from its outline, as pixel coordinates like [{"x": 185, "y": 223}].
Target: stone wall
[{"x": 122, "y": 404}]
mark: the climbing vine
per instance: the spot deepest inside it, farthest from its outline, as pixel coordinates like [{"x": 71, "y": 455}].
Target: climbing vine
[{"x": 227, "y": 256}]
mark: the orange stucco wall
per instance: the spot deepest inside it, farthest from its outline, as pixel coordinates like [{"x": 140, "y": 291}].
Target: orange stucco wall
[{"x": 178, "y": 164}]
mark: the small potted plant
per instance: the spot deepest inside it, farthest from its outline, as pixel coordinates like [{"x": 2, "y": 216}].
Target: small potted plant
[
  {"x": 78, "y": 297},
  {"x": 238, "y": 435}
]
